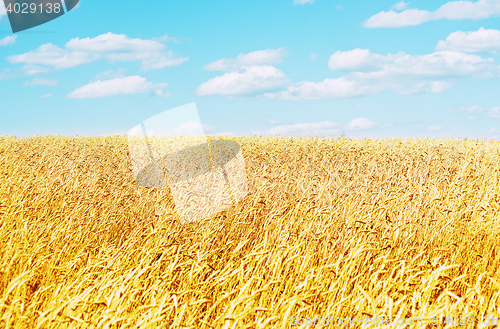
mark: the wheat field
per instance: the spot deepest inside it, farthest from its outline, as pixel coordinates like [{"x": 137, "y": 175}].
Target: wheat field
[{"x": 332, "y": 228}]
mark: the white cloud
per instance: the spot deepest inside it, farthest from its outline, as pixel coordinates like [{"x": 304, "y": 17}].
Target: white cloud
[
  {"x": 391, "y": 18},
  {"x": 400, "y": 6},
  {"x": 46, "y": 95},
  {"x": 9, "y": 40},
  {"x": 208, "y": 128},
  {"x": 435, "y": 128},
  {"x": 119, "y": 47},
  {"x": 248, "y": 81},
  {"x": 440, "y": 64},
  {"x": 438, "y": 87},
  {"x": 166, "y": 38},
  {"x": 339, "y": 7},
  {"x": 136, "y": 131},
  {"x": 118, "y": 86},
  {"x": 471, "y": 117},
  {"x": 492, "y": 131},
  {"x": 254, "y": 58},
  {"x": 302, "y": 2},
  {"x": 468, "y": 10},
  {"x": 161, "y": 93},
  {"x": 29, "y": 69},
  {"x": 477, "y": 41},
  {"x": 191, "y": 128},
  {"x": 249, "y": 74},
  {"x": 314, "y": 56},
  {"x": 494, "y": 112},
  {"x": 274, "y": 122},
  {"x": 360, "y": 123},
  {"x": 41, "y": 82},
  {"x": 110, "y": 74},
  {"x": 451, "y": 10},
  {"x": 53, "y": 56},
  {"x": 110, "y": 42},
  {"x": 328, "y": 88},
  {"x": 303, "y": 129},
  {"x": 474, "y": 108},
  {"x": 112, "y": 47},
  {"x": 360, "y": 59},
  {"x": 368, "y": 74},
  {"x": 402, "y": 73},
  {"x": 149, "y": 61}
]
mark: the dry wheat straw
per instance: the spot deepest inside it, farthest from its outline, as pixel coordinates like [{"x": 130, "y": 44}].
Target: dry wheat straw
[{"x": 337, "y": 227}]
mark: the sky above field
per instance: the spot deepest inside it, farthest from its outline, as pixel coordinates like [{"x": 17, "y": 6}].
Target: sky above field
[{"x": 375, "y": 69}]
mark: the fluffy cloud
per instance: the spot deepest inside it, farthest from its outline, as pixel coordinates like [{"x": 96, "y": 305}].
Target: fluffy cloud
[
  {"x": 161, "y": 93},
  {"x": 46, "y": 95},
  {"x": 391, "y": 18},
  {"x": 53, "y": 56},
  {"x": 468, "y": 10},
  {"x": 474, "y": 108},
  {"x": 249, "y": 74},
  {"x": 406, "y": 74},
  {"x": 360, "y": 60},
  {"x": 410, "y": 73},
  {"x": 439, "y": 64},
  {"x": 112, "y": 47},
  {"x": 360, "y": 123},
  {"x": 41, "y": 82},
  {"x": 302, "y": 2},
  {"x": 10, "y": 40},
  {"x": 255, "y": 58},
  {"x": 451, "y": 10},
  {"x": 249, "y": 81},
  {"x": 480, "y": 40},
  {"x": 166, "y": 38},
  {"x": 400, "y": 6},
  {"x": 302, "y": 129},
  {"x": 328, "y": 88},
  {"x": 367, "y": 73},
  {"x": 118, "y": 86},
  {"x": 438, "y": 87},
  {"x": 109, "y": 42},
  {"x": 493, "y": 112}
]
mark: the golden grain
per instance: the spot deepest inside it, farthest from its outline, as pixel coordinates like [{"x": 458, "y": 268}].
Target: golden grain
[{"x": 330, "y": 227}]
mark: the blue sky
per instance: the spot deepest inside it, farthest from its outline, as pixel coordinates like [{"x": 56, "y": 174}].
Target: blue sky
[{"x": 375, "y": 69}]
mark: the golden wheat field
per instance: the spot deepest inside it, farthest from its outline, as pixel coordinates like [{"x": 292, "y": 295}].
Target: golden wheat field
[{"x": 332, "y": 230}]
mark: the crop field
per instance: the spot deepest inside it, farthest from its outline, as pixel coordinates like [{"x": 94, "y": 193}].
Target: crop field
[{"x": 332, "y": 229}]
